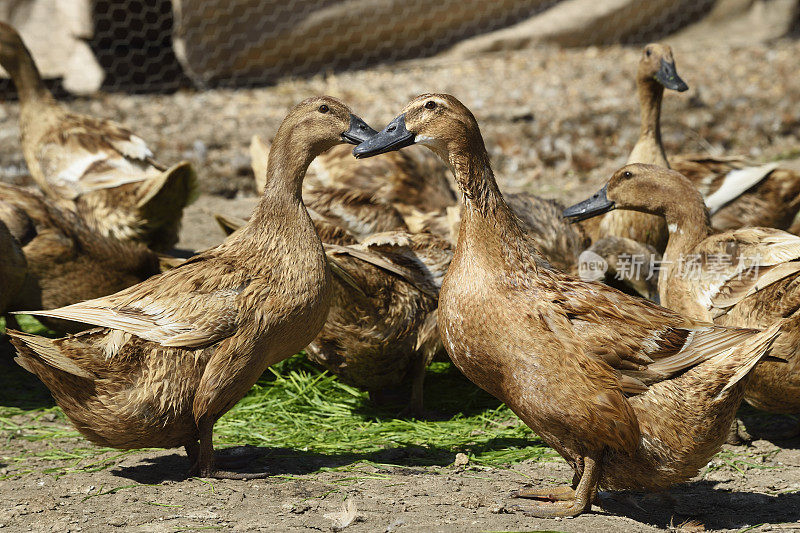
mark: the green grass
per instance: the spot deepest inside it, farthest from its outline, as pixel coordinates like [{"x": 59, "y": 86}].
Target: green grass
[
  {"x": 28, "y": 323},
  {"x": 298, "y": 407},
  {"x": 296, "y": 411}
]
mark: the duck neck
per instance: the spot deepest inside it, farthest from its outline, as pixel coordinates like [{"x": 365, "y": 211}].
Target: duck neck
[
  {"x": 487, "y": 220},
  {"x": 688, "y": 225},
  {"x": 26, "y": 78},
  {"x": 648, "y": 148},
  {"x": 281, "y": 203}
]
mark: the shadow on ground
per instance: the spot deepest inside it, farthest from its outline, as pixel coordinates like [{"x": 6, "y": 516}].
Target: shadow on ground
[
  {"x": 19, "y": 388},
  {"x": 700, "y": 502},
  {"x": 403, "y": 460}
]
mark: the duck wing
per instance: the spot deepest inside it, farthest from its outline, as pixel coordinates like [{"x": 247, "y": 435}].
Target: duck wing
[
  {"x": 356, "y": 211},
  {"x": 191, "y": 306},
  {"x": 721, "y": 180},
  {"x": 643, "y": 342},
  {"x": 82, "y": 154},
  {"x": 419, "y": 259},
  {"x": 736, "y": 264}
]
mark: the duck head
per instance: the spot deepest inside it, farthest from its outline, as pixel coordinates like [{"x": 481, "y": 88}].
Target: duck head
[
  {"x": 10, "y": 42},
  {"x": 12, "y": 49},
  {"x": 657, "y": 64},
  {"x": 320, "y": 123},
  {"x": 637, "y": 187},
  {"x": 17, "y": 60},
  {"x": 438, "y": 121},
  {"x": 312, "y": 127}
]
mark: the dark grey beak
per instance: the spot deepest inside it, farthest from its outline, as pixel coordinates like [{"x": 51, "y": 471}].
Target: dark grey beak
[
  {"x": 596, "y": 205},
  {"x": 668, "y": 77},
  {"x": 393, "y": 137},
  {"x": 358, "y": 132}
]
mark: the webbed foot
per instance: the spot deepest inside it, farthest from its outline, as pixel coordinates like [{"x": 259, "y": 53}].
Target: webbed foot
[
  {"x": 556, "y": 509},
  {"x": 557, "y": 502},
  {"x": 738, "y": 435},
  {"x": 548, "y": 494}
]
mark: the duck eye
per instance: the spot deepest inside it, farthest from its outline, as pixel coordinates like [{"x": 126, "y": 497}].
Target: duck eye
[
  {"x": 627, "y": 174},
  {"x": 324, "y": 109},
  {"x": 430, "y": 104},
  {"x": 648, "y": 52}
]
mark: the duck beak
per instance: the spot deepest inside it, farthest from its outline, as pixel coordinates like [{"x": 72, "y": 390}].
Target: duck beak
[
  {"x": 668, "y": 77},
  {"x": 358, "y": 132},
  {"x": 596, "y": 205},
  {"x": 393, "y": 137}
]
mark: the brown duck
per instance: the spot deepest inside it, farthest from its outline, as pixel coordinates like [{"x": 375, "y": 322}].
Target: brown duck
[
  {"x": 95, "y": 167},
  {"x": 67, "y": 261},
  {"x": 381, "y": 331},
  {"x": 747, "y": 277},
  {"x": 632, "y": 395},
  {"x": 627, "y": 265},
  {"x": 174, "y": 353}
]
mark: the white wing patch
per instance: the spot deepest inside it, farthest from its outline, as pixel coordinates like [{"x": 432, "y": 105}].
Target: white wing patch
[
  {"x": 77, "y": 168},
  {"x": 736, "y": 183},
  {"x": 134, "y": 147},
  {"x": 79, "y": 177}
]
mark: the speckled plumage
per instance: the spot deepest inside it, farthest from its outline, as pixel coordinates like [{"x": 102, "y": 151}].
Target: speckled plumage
[
  {"x": 566, "y": 355},
  {"x": 383, "y": 332},
  {"x": 177, "y": 351},
  {"x": 92, "y": 166},
  {"x": 355, "y": 211},
  {"x": 773, "y": 202},
  {"x": 631, "y": 265},
  {"x": 407, "y": 181}
]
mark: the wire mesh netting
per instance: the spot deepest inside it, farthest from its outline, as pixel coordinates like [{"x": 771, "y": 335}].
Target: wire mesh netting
[{"x": 162, "y": 45}]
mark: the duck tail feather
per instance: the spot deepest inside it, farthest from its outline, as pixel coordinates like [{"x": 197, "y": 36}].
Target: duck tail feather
[
  {"x": 174, "y": 188},
  {"x": 33, "y": 349},
  {"x": 751, "y": 352}
]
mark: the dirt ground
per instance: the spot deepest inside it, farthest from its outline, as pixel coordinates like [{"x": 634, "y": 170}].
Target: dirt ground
[
  {"x": 557, "y": 123},
  {"x": 754, "y": 488}
]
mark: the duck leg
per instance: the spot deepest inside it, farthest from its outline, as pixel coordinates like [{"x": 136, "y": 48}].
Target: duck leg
[
  {"x": 206, "y": 465},
  {"x": 415, "y": 408},
  {"x": 193, "y": 454},
  {"x": 738, "y": 434},
  {"x": 581, "y": 501},
  {"x": 549, "y": 494}
]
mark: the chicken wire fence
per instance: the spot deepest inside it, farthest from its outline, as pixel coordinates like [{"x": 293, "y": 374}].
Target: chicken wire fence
[{"x": 161, "y": 45}]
